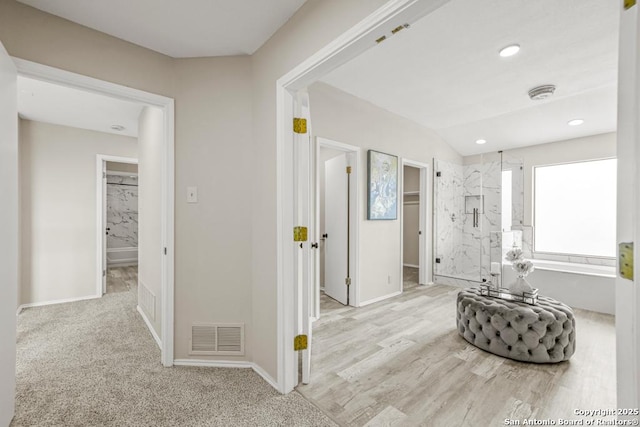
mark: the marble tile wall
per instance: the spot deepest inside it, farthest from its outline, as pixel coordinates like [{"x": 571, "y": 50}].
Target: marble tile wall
[
  {"x": 122, "y": 211},
  {"x": 466, "y": 251},
  {"x": 449, "y": 219}
]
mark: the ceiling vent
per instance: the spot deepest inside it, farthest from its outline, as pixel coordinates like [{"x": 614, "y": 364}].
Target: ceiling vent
[{"x": 541, "y": 92}]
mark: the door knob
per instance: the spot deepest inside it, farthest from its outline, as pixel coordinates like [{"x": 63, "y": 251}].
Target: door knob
[{"x": 314, "y": 245}]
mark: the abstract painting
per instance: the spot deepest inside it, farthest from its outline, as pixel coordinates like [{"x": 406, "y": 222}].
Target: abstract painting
[{"x": 382, "y": 185}]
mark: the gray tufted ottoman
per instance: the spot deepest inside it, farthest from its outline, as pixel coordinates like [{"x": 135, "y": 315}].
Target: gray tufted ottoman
[{"x": 542, "y": 333}]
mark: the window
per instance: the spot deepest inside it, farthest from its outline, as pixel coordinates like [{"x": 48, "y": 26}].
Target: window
[{"x": 575, "y": 208}]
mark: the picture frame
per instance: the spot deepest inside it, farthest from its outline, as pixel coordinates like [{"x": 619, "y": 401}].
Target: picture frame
[{"x": 382, "y": 186}]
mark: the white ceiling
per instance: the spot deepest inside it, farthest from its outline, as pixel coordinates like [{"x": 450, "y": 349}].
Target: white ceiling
[
  {"x": 50, "y": 103},
  {"x": 445, "y": 73},
  {"x": 181, "y": 29}
]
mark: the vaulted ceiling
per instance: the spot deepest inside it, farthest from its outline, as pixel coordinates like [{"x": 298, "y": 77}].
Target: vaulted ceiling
[{"x": 443, "y": 72}]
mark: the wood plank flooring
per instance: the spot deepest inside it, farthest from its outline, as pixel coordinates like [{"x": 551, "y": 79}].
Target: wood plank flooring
[
  {"x": 402, "y": 362},
  {"x": 122, "y": 279}
]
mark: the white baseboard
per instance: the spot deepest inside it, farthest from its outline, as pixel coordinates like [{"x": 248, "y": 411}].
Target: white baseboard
[
  {"x": 273, "y": 383},
  {"x": 213, "y": 363},
  {"x": 58, "y": 301},
  {"x": 153, "y": 332},
  {"x": 411, "y": 265},
  {"x": 382, "y": 298},
  {"x": 228, "y": 364}
]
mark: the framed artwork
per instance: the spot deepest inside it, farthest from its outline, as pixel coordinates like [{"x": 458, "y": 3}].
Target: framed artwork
[{"x": 382, "y": 186}]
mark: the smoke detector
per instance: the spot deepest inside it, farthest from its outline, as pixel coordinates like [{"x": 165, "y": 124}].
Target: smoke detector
[{"x": 541, "y": 92}]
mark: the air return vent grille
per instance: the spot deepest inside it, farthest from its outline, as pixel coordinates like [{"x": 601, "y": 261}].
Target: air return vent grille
[{"x": 217, "y": 339}]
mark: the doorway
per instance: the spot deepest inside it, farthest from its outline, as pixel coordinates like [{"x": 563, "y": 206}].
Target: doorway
[
  {"x": 163, "y": 108},
  {"x": 415, "y": 225},
  {"x": 336, "y": 218},
  {"x": 117, "y": 224}
]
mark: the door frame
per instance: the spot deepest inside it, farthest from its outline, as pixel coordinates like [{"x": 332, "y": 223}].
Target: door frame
[
  {"x": 354, "y": 41},
  {"x": 424, "y": 241},
  {"x": 354, "y": 225},
  {"x": 628, "y": 207},
  {"x": 90, "y": 84},
  {"x": 101, "y": 218}
]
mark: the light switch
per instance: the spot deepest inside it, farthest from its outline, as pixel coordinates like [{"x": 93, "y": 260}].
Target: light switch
[{"x": 192, "y": 194}]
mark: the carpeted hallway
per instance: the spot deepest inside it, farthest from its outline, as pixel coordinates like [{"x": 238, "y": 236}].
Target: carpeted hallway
[{"x": 94, "y": 363}]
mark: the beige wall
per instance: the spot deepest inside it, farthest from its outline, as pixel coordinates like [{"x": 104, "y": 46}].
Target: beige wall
[
  {"x": 316, "y": 24},
  {"x": 34, "y": 35},
  {"x": 212, "y": 151},
  {"x": 31, "y": 34},
  {"x": 213, "y": 236},
  {"x": 572, "y": 150},
  {"x": 58, "y": 208},
  {"x": 341, "y": 117},
  {"x": 150, "y": 140},
  {"x": 411, "y": 217}
]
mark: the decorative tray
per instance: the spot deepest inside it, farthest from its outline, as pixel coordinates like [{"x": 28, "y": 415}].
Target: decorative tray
[{"x": 530, "y": 298}]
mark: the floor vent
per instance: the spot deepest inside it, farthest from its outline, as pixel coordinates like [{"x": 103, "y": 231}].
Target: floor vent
[
  {"x": 146, "y": 300},
  {"x": 217, "y": 339}
]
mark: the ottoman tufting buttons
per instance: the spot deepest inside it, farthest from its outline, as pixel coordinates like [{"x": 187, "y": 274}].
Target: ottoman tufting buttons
[{"x": 555, "y": 327}]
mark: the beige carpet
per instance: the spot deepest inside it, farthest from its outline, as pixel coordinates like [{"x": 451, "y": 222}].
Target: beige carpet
[{"x": 94, "y": 363}]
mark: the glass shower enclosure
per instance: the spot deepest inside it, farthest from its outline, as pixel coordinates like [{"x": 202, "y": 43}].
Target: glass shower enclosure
[{"x": 478, "y": 215}]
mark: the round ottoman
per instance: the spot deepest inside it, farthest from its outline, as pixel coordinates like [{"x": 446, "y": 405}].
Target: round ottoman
[{"x": 541, "y": 333}]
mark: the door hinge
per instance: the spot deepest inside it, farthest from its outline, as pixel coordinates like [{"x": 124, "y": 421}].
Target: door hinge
[
  {"x": 165, "y": 251},
  {"x": 438, "y": 173},
  {"x": 626, "y": 260},
  {"x": 299, "y": 234},
  {"x": 104, "y": 273},
  {"x": 348, "y": 169},
  {"x": 347, "y": 281},
  {"x": 437, "y": 260},
  {"x": 300, "y": 342},
  {"x": 299, "y": 125}
]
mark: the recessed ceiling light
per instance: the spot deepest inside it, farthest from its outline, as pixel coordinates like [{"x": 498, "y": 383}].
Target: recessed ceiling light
[
  {"x": 575, "y": 122},
  {"x": 117, "y": 128},
  {"x": 509, "y": 50},
  {"x": 481, "y": 141}
]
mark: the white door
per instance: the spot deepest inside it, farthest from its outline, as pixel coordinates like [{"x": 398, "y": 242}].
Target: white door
[
  {"x": 8, "y": 234},
  {"x": 337, "y": 239},
  {"x": 303, "y": 183}
]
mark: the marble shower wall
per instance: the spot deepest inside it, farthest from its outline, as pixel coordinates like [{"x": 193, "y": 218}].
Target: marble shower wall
[
  {"x": 122, "y": 211},
  {"x": 483, "y": 180},
  {"x": 449, "y": 220},
  {"x": 466, "y": 251}
]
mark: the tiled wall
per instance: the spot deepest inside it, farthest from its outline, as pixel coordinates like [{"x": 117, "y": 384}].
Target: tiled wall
[
  {"x": 467, "y": 251},
  {"x": 122, "y": 211}
]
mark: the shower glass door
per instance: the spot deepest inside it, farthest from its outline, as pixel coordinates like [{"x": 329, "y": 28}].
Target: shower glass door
[{"x": 467, "y": 205}]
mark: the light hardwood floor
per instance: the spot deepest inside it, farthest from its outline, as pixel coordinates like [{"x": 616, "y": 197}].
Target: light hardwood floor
[
  {"x": 402, "y": 362},
  {"x": 122, "y": 279}
]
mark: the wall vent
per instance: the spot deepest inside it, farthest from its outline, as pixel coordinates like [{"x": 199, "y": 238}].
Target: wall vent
[
  {"x": 147, "y": 300},
  {"x": 210, "y": 339}
]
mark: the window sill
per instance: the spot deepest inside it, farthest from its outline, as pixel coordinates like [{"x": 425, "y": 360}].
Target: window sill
[{"x": 574, "y": 268}]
